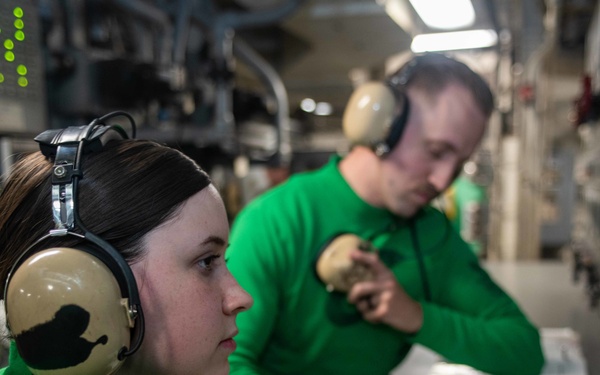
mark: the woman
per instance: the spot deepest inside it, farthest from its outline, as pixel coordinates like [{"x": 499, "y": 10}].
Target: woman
[{"x": 160, "y": 211}]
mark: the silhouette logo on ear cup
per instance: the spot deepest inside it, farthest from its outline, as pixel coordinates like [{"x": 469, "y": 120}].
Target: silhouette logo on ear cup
[{"x": 58, "y": 343}]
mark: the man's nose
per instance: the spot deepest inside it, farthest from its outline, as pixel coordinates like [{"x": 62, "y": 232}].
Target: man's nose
[{"x": 442, "y": 176}]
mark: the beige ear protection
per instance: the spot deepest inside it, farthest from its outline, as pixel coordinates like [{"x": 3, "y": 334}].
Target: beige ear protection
[
  {"x": 335, "y": 267},
  {"x": 369, "y": 114},
  {"x": 377, "y": 112},
  {"x": 73, "y": 310},
  {"x": 74, "y": 322}
]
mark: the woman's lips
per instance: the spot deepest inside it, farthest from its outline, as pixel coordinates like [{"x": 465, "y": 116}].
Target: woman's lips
[{"x": 228, "y": 344}]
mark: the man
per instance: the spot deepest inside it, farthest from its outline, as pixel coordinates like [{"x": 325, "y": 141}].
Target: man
[{"x": 426, "y": 285}]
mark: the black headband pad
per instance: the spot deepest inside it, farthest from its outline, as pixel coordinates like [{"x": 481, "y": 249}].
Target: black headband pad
[{"x": 49, "y": 140}]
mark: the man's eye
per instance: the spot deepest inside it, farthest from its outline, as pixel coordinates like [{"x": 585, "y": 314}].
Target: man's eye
[
  {"x": 437, "y": 154},
  {"x": 208, "y": 263}
]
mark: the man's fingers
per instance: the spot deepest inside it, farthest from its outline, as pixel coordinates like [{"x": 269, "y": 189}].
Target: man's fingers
[
  {"x": 367, "y": 303},
  {"x": 362, "y": 290},
  {"x": 370, "y": 260}
]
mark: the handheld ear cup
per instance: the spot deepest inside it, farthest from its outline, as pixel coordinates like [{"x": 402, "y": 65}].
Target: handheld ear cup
[
  {"x": 375, "y": 116},
  {"x": 67, "y": 314},
  {"x": 335, "y": 267}
]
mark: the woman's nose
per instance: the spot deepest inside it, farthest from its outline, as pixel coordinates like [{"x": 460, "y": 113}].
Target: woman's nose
[{"x": 236, "y": 298}]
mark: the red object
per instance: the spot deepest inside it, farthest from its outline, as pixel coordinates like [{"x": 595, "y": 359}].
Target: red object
[
  {"x": 583, "y": 105},
  {"x": 526, "y": 93}
]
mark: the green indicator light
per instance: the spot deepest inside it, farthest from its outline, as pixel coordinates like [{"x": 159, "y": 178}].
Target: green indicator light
[
  {"x": 18, "y": 12},
  {"x": 22, "y": 81},
  {"x": 8, "y": 44},
  {"x": 1, "y": 77},
  {"x": 9, "y": 56},
  {"x": 19, "y": 24},
  {"x": 19, "y": 35},
  {"x": 22, "y": 70}
]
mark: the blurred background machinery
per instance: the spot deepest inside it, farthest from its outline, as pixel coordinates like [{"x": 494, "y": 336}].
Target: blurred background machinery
[{"x": 170, "y": 63}]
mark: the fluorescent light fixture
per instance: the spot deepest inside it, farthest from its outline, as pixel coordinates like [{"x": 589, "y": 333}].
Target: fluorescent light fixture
[
  {"x": 454, "y": 40},
  {"x": 445, "y": 14}
]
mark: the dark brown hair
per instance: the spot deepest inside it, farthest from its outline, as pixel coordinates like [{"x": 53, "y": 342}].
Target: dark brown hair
[
  {"x": 128, "y": 188},
  {"x": 432, "y": 72}
]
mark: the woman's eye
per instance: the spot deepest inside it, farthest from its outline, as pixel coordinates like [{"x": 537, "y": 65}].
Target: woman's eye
[{"x": 208, "y": 263}]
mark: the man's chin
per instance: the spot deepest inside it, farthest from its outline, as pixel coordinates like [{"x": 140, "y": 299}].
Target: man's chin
[{"x": 407, "y": 211}]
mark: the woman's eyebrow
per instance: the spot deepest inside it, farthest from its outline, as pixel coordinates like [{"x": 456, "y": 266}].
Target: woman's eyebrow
[{"x": 215, "y": 240}]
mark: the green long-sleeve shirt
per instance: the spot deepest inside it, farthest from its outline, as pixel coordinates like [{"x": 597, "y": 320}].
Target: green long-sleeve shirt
[{"x": 297, "y": 327}]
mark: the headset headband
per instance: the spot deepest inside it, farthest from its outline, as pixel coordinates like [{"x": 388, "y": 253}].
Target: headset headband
[
  {"x": 386, "y": 145},
  {"x": 65, "y": 147},
  {"x": 398, "y": 84}
]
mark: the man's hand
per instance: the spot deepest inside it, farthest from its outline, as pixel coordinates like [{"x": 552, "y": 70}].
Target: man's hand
[{"x": 383, "y": 300}]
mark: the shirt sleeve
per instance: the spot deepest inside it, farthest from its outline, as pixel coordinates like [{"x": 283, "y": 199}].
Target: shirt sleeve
[{"x": 474, "y": 322}]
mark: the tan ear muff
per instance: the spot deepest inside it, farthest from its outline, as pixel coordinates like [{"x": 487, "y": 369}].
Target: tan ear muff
[
  {"x": 369, "y": 114},
  {"x": 67, "y": 314},
  {"x": 375, "y": 116},
  {"x": 335, "y": 267}
]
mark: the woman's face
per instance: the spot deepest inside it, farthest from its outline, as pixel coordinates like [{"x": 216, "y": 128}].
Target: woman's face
[{"x": 190, "y": 299}]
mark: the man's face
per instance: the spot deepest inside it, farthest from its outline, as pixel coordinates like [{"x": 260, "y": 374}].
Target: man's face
[{"x": 441, "y": 134}]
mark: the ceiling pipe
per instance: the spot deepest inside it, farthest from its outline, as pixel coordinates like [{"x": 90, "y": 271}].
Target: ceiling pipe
[
  {"x": 157, "y": 16},
  {"x": 272, "y": 80},
  {"x": 222, "y": 27}
]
